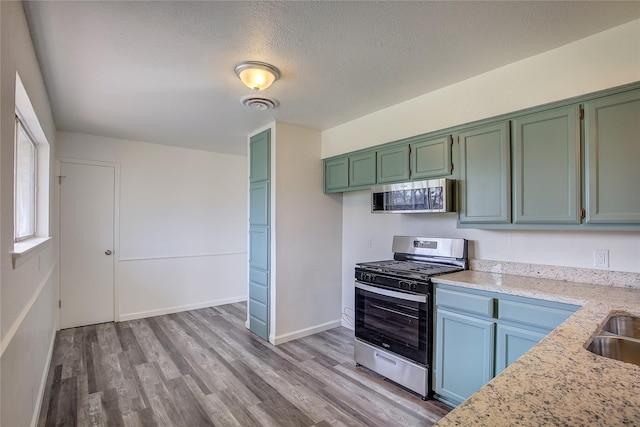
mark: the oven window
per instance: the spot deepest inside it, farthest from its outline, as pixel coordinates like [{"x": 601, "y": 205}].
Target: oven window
[
  {"x": 397, "y": 320},
  {"x": 392, "y": 323}
]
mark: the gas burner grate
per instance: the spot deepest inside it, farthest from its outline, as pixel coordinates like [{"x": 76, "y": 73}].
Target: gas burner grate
[{"x": 408, "y": 268}]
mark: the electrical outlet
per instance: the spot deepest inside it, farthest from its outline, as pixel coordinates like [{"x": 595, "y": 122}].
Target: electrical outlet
[
  {"x": 601, "y": 258},
  {"x": 370, "y": 242}
]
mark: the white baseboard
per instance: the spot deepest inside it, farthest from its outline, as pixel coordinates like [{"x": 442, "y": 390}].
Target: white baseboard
[
  {"x": 178, "y": 309},
  {"x": 43, "y": 381},
  {"x": 347, "y": 325},
  {"x": 306, "y": 332}
]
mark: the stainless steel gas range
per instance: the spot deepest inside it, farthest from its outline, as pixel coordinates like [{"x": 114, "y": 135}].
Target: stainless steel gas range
[{"x": 394, "y": 308}]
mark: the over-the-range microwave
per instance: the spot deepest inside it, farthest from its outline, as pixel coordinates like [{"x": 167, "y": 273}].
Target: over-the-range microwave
[{"x": 434, "y": 195}]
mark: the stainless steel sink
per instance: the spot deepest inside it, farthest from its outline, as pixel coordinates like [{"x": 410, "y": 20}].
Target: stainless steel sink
[
  {"x": 616, "y": 347},
  {"x": 625, "y": 326}
]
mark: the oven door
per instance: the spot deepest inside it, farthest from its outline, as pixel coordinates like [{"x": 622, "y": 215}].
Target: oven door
[{"x": 394, "y": 321}]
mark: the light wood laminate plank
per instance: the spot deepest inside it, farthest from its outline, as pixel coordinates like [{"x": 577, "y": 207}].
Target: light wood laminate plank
[{"x": 204, "y": 368}]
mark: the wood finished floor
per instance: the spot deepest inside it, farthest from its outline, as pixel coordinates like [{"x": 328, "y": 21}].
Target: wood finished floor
[{"x": 204, "y": 368}]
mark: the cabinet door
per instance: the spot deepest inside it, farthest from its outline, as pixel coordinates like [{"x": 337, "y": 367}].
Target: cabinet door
[
  {"x": 432, "y": 158},
  {"x": 612, "y": 156},
  {"x": 336, "y": 174},
  {"x": 259, "y": 157},
  {"x": 464, "y": 355},
  {"x": 546, "y": 155},
  {"x": 259, "y": 203},
  {"x": 485, "y": 181},
  {"x": 393, "y": 164},
  {"x": 362, "y": 169},
  {"x": 511, "y": 343}
]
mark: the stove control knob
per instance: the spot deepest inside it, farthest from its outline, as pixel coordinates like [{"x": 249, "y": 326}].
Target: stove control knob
[{"x": 405, "y": 285}]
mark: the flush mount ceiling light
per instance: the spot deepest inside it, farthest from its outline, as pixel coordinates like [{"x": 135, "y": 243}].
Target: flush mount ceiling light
[
  {"x": 257, "y": 75},
  {"x": 259, "y": 103}
]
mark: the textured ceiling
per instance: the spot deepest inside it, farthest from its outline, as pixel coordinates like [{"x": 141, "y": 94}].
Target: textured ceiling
[{"x": 163, "y": 71}]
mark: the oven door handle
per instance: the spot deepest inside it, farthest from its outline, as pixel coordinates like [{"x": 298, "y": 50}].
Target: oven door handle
[{"x": 393, "y": 294}]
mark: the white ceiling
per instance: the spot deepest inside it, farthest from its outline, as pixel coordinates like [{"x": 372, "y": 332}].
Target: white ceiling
[{"x": 162, "y": 72}]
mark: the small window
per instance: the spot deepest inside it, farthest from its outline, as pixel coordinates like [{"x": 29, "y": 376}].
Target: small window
[
  {"x": 31, "y": 188},
  {"x": 25, "y": 184}
]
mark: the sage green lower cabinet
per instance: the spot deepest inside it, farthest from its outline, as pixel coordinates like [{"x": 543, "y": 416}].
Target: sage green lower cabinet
[
  {"x": 484, "y": 187},
  {"x": 512, "y": 342},
  {"x": 546, "y": 172},
  {"x": 431, "y": 158},
  {"x": 336, "y": 174},
  {"x": 612, "y": 159},
  {"x": 393, "y": 164},
  {"x": 478, "y": 334},
  {"x": 464, "y": 355}
]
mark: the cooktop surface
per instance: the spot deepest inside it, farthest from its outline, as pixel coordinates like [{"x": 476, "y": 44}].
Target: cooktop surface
[{"x": 408, "y": 268}]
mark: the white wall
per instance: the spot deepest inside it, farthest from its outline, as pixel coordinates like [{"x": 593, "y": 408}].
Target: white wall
[
  {"x": 555, "y": 248},
  {"x": 306, "y": 293},
  {"x": 29, "y": 293},
  {"x": 607, "y": 59},
  {"x": 182, "y": 216}
]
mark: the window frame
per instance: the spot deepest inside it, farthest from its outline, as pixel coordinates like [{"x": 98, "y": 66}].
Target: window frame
[
  {"x": 33, "y": 232},
  {"x": 26, "y": 249}
]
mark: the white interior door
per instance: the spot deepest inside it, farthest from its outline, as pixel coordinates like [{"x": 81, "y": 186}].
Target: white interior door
[{"x": 87, "y": 198}]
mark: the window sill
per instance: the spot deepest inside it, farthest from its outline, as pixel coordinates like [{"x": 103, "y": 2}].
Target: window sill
[{"x": 24, "y": 251}]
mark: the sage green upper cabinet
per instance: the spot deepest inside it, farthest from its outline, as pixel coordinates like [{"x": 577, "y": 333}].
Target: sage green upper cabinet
[
  {"x": 568, "y": 165},
  {"x": 546, "y": 174},
  {"x": 336, "y": 174},
  {"x": 350, "y": 172},
  {"x": 484, "y": 187},
  {"x": 393, "y": 164},
  {"x": 362, "y": 169},
  {"x": 431, "y": 158},
  {"x": 612, "y": 159},
  {"x": 415, "y": 159}
]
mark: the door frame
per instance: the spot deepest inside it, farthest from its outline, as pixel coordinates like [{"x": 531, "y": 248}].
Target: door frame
[{"x": 116, "y": 226}]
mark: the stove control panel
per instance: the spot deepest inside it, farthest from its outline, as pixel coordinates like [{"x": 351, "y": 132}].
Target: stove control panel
[
  {"x": 408, "y": 286},
  {"x": 391, "y": 282},
  {"x": 425, "y": 244}
]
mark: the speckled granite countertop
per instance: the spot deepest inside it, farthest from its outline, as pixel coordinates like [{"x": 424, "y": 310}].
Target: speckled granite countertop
[{"x": 558, "y": 382}]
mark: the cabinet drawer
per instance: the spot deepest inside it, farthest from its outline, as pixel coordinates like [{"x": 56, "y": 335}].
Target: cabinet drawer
[
  {"x": 530, "y": 314},
  {"x": 476, "y": 304}
]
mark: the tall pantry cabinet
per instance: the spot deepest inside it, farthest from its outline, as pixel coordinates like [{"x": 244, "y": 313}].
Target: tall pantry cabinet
[
  {"x": 295, "y": 276},
  {"x": 259, "y": 232}
]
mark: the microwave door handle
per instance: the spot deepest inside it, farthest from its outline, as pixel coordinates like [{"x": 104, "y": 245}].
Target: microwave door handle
[{"x": 393, "y": 294}]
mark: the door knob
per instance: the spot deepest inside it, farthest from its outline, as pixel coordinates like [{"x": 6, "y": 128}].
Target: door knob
[{"x": 108, "y": 252}]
